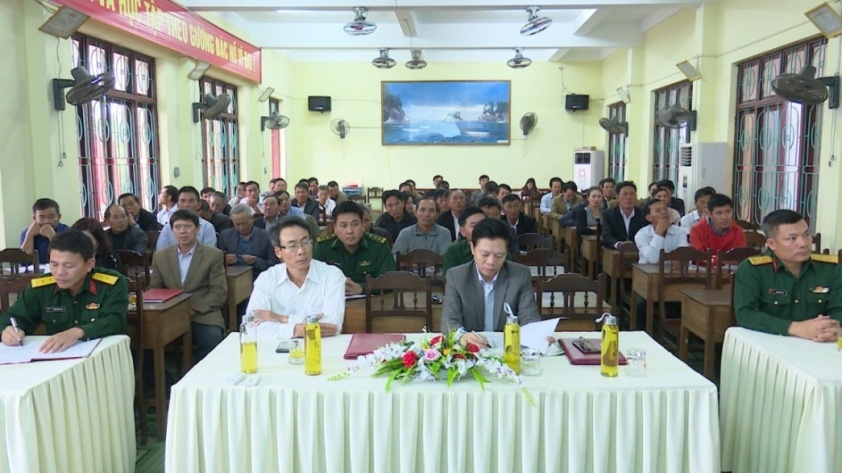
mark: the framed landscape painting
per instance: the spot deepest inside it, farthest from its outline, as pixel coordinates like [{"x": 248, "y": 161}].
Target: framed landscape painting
[{"x": 446, "y": 112}]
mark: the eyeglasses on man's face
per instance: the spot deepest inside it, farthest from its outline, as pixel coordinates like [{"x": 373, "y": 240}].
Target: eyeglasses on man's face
[{"x": 298, "y": 245}]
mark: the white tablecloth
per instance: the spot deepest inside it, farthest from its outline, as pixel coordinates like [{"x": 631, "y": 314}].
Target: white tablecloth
[
  {"x": 69, "y": 415},
  {"x": 583, "y": 422},
  {"x": 781, "y": 404}
]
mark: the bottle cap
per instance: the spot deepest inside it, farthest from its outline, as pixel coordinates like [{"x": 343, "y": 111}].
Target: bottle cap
[
  {"x": 312, "y": 319},
  {"x": 607, "y": 318}
]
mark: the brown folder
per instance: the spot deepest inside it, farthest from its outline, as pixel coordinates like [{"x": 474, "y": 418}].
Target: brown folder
[
  {"x": 365, "y": 343},
  {"x": 578, "y": 357}
]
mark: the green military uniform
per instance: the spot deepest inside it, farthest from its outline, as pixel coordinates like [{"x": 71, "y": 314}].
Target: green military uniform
[
  {"x": 373, "y": 256},
  {"x": 456, "y": 254},
  {"x": 99, "y": 308},
  {"x": 768, "y": 298}
]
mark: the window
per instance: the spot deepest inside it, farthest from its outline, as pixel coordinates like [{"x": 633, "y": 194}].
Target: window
[
  {"x": 776, "y": 142},
  {"x": 117, "y": 135},
  {"x": 667, "y": 139},
  {"x": 220, "y": 141},
  {"x": 617, "y": 144}
]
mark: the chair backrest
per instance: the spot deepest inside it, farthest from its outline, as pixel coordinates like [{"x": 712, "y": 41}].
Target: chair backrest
[
  {"x": 755, "y": 240},
  {"x": 748, "y": 226},
  {"x": 135, "y": 265},
  {"x": 545, "y": 260},
  {"x": 727, "y": 262},
  {"x": 153, "y": 240},
  {"x": 684, "y": 265},
  {"x": 16, "y": 261},
  {"x": 581, "y": 300},
  {"x": 11, "y": 285},
  {"x": 629, "y": 255},
  {"x": 395, "y": 295},
  {"x": 532, "y": 241},
  {"x": 423, "y": 262},
  {"x": 817, "y": 243}
]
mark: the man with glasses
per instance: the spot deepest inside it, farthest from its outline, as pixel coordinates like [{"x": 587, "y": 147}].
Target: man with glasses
[
  {"x": 355, "y": 252},
  {"x": 285, "y": 294}
]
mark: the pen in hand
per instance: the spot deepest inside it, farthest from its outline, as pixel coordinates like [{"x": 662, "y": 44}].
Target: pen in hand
[{"x": 15, "y": 326}]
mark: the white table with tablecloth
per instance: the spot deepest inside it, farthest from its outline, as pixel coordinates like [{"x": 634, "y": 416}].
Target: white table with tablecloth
[
  {"x": 781, "y": 404},
  {"x": 667, "y": 421},
  {"x": 69, "y": 415}
]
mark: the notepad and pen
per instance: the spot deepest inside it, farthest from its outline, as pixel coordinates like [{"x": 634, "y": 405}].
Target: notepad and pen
[{"x": 28, "y": 351}]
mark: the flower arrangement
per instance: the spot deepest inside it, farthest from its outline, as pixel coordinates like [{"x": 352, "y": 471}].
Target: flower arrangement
[{"x": 434, "y": 357}]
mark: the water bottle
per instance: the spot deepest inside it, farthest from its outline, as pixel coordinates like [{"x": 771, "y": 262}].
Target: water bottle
[
  {"x": 312, "y": 346},
  {"x": 610, "y": 352},
  {"x": 248, "y": 344},
  {"x": 511, "y": 343}
]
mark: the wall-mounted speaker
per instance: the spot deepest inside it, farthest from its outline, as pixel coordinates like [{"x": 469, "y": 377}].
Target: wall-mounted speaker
[
  {"x": 577, "y": 102},
  {"x": 318, "y": 103}
]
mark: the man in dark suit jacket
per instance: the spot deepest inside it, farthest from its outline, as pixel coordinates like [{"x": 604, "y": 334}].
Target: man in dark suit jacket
[
  {"x": 613, "y": 220},
  {"x": 476, "y": 291},
  {"x": 521, "y": 222},
  {"x": 450, "y": 220},
  {"x": 303, "y": 201},
  {"x": 219, "y": 220},
  {"x": 200, "y": 271},
  {"x": 675, "y": 202},
  {"x": 142, "y": 217},
  {"x": 245, "y": 244}
]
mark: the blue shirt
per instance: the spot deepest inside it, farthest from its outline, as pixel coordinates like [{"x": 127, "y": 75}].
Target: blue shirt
[
  {"x": 184, "y": 262},
  {"x": 243, "y": 248},
  {"x": 42, "y": 243}
]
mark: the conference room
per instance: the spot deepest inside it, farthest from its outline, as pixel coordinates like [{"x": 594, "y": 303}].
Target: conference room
[{"x": 107, "y": 98}]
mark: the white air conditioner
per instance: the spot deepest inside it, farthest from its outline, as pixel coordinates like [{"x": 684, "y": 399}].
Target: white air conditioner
[
  {"x": 588, "y": 168},
  {"x": 701, "y": 165}
]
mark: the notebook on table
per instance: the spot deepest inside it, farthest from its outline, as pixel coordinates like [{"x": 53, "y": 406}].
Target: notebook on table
[
  {"x": 577, "y": 356},
  {"x": 28, "y": 351},
  {"x": 160, "y": 294},
  {"x": 365, "y": 343}
]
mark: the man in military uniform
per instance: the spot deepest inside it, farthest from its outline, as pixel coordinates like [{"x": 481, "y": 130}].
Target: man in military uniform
[
  {"x": 790, "y": 291},
  {"x": 355, "y": 252},
  {"x": 76, "y": 302}
]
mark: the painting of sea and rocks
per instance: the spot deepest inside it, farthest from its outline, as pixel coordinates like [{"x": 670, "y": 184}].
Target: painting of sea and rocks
[{"x": 446, "y": 112}]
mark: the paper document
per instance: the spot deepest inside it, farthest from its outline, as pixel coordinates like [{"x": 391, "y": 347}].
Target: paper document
[
  {"x": 535, "y": 335},
  {"x": 29, "y": 351}
]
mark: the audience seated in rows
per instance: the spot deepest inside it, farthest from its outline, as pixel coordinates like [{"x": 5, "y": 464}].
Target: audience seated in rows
[
  {"x": 701, "y": 200},
  {"x": 46, "y": 223},
  {"x": 395, "y": 218},
  {"x": 245, "y": 244},
  {"x": 120, "y": 234}
]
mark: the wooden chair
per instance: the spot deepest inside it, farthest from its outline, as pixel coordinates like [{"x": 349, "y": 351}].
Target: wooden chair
[
  {"x": 546, "y": 261},
  {"x": 11, "y": 285},
  {"x": 756, "y": 240},
  {"x": 135, "y": 265},
  {"x": 748, "y": 226},
  {"x": 817, "y": 243},
  {"x": 12, "y": 260},
  {"x": 419, "y": 262},
  {"x": 727, "y": 262},
  {"x": 153, "y": 241},
  {"x": 532, "y": 241},
  {"x": 395, "y": 295},
  {"x": 581, "y": 300},
  {"x": 681, "y": 268},
  {"x": 135, "y": 320},
  {"x": 629, "y": 255}
]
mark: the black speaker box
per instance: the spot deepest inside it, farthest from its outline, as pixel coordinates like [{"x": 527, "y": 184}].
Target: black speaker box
[
  {"x": 577, "y": 102},
  {"x": 318, "y": 103}
]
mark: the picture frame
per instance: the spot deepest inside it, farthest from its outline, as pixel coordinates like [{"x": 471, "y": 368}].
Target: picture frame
[{"x": 457, "y": 112}]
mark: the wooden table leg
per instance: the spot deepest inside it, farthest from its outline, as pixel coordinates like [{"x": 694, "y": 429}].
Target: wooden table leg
[
  {"x": 633, "y": 311},
  {"x": 650, "y": 318},
  {"x": 160, "y": 392},
  {"x": 187, "y": 349}
]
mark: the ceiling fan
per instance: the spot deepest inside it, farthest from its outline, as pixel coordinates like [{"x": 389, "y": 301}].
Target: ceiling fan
[
  {"x": 535, "y": 24},
  {"x": 360, "y": 26}
]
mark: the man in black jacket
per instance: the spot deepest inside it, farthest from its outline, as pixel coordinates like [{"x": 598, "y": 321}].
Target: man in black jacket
[
  {"x": 622, "y": 222},
  {"x": 521, "y": 222},
  {"x": 142, "y": 217}
]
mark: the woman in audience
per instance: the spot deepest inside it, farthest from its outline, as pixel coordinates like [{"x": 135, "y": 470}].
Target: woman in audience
[
  {"x": 530, "y": 189},
  {"x": 105, "y": 258},
  {"x": 587, "y": 216}
]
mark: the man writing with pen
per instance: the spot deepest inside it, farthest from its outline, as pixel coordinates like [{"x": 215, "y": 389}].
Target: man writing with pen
[
  {"x": 476, "y": 291},
  {"x": 76, "y": 301}
]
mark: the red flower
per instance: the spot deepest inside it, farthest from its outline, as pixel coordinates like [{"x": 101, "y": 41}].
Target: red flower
[
  {"x": 409, "y": 359},
  {"x": 436, "y": 340},
  {"x": 458, "y": 356},
  {"x": 473, "y": 348}
]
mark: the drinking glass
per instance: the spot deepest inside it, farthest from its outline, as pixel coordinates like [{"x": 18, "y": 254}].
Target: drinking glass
[
  {"x": 636, "y": 362},
  {"x": 296, "y": 352},
  {"x": 530, "y": 362}
]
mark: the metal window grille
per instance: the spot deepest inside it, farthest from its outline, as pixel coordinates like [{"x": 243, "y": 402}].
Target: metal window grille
[
  {"x": 617, "y": 144},
  {"x": 669, "y": 140},
  {"x": 220, "y": 141}
]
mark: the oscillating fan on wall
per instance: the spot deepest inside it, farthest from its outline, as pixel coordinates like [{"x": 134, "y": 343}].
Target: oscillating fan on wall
[
  {"x": 676, "y": 116},
  {"x": 210, "y": 106},
  {"x": 614, "y": 126},
  {"x": 528, "y": 122},
  {"x": 805, "y": 89},
  {"x": 83, "y": 87},
  {"x": 340, "y": 127},
  {"x": 275, "y": 121}
]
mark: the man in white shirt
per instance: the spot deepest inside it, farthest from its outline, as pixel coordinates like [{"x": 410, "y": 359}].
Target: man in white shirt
[
  {"x": 660, "y": 235},
  {"x": 188, "y": 199},
  {"x": 326, "y": 204},
  {"x": 167, "y": 198},
  {"x": 547, "y": 199},
  {"x": 285, "y": 294},
  {"x": 253, "y": 198},
  {"x": 701, "y": 200}
]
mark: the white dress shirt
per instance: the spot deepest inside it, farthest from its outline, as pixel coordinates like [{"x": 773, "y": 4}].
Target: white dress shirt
[
  {"x": 547, "y": 203},
  {"x": 184, "y": 260},
  {"x": 690, "y": 219},
  {"x": 323, "y": 291},
  {"x": 164, "y": 215},
  {"x": 207, "y": 235},
  {"x": 650, "y": 244}
]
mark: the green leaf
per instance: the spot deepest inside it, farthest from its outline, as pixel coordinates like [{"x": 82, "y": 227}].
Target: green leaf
[
  {"x": 392, "y": 378},
  {"x": 479, "y": 377},
  {"x": 451, "y": 376}
]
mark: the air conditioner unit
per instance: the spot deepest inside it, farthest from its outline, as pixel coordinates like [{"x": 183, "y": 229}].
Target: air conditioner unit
[
  {"x": 701, "y": 165},
  {"x": 588, "y": 168}
]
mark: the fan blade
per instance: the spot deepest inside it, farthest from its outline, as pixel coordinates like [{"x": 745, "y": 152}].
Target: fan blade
[{"x": 90, "y": 88}]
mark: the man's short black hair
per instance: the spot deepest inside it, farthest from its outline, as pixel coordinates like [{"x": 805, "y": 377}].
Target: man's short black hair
[
  {"x": 280, "y": 194},
  {"x": 484, "y": 176},
  {"x": 411, "y": 182},
  {"x": 302, "y": 185},
  {"x": 208, "y": 190},
  {"x": 626, "y": 184},
  {"x": 491, "y": 187},
  {"x": 204, "y": 205},
  {"x": 569, "y": 185},
  {"x": 704, "y": 191},
  {"x": 556, "y": 179},
  {"x": 333, "y": 184},
  {"x": 273, "y": 196},
  {"x": 719, "y": 200},
  {"x": 647, "y": 204},
  {"x": 405, "y": 196},
  {"x": 438, "y": 176},
  {"x": 428, "y": 199},
  {"x": 347, "y": 207},
  {"x": 274, "y": 180},
  {"x": 443, "y": 184},
  {"x": 441, "y": 193},
  {"x": 128, "y": 195},
  {"x": 510, "y": 198},
  {"x": 492, "y": 228},
  {"x": 217, "y": 194},
  {"x": 184, "y": 214},
  {"x": 607, "y": 180},
  {"x": 504, "y": 186},
  {"x": 775, "y": 219},
  {"x": 44, "y": 204},
  {"x": 668, "y": 184},
  {"x": 312, "y": 179},
  {"x": 287, "y": 222},
  {"x": 392, "y": 193},
  {"x": 254, "y": 183},
  {"x": 490, "y": 202},
  {"x": 73, "y": 241},
  {"x": 107, "y": 214},
  {"x": 171, "y": 191},
  {"x": 468, "y": 212},
  {"x": 190, "y": 190}
]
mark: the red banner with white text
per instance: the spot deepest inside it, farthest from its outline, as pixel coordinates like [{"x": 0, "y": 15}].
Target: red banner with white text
[{"x": 170, "y": 25}]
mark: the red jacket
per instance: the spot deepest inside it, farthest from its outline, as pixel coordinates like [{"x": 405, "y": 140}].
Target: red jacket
[{"x": 704, "y": 238}]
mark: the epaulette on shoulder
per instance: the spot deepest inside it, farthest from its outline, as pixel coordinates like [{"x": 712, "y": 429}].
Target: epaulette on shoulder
[
  {"x": 43, "y": 281},
  {"x": 325, "y": 238},
  {"x": 377, "y": 238},
  {"x": 105, "y": 278},
  {"x": 832, "y": 259},
  {"x": 758, "y": 260}
]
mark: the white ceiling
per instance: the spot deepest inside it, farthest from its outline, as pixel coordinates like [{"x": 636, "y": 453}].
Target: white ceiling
[{"x": 446, "y": 31}]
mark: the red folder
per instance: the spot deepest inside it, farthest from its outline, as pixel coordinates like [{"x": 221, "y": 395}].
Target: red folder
[
  {"x": 578, "y": 357},
  {"x": 160, "y": 294},
  {"x": 365, "y": 343}
]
